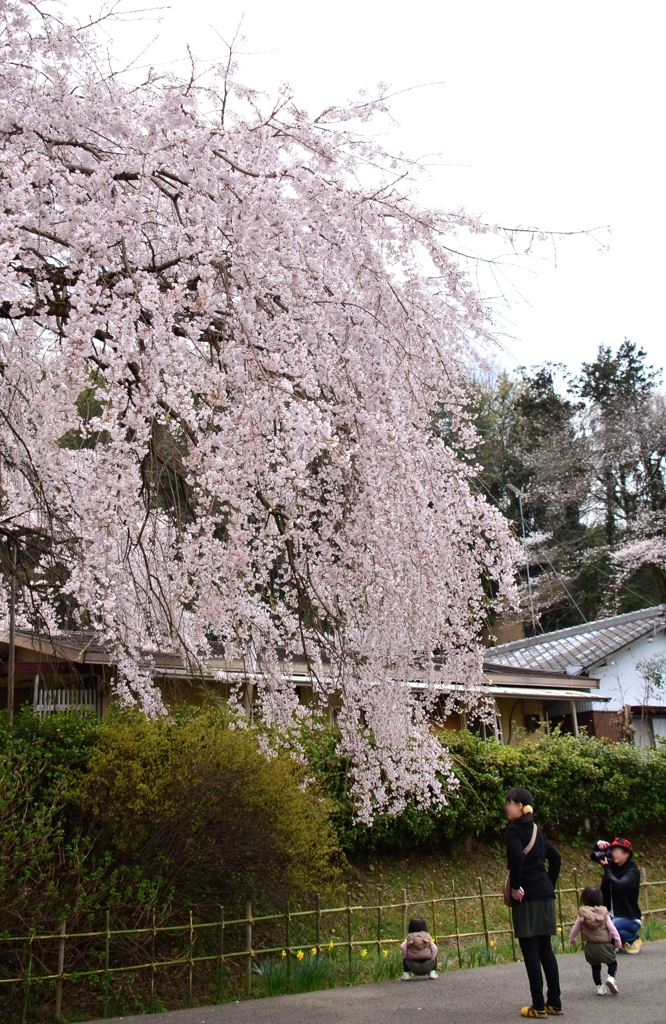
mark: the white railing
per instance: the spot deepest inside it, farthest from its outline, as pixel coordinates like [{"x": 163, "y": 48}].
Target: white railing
[{"x": 46, "y": 702}]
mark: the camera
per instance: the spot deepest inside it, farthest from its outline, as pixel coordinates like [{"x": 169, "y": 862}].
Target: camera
[{"x": 602, "y": 857}]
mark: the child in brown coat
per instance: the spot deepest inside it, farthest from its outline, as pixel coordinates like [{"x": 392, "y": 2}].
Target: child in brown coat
[
  {"x": 602, "y": 939},
  {"x": 419, "y": 952}
]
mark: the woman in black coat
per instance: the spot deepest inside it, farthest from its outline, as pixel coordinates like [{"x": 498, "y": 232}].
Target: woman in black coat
[{"x": 533, "y": 901}]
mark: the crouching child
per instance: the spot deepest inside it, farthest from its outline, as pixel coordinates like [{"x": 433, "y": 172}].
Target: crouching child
[
  {"x": 602, "y": 939},
  {"x": 419, "y": 952}
]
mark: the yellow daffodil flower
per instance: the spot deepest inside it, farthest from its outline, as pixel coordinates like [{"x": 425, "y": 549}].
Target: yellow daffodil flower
[
  {"x": 364, "y": 952},
  {"x": 331, "y": 944},
  {"x": 300, "y": 954},
  {"x": 385, "y": 952},
  {"x": 284, "y": 952},
  {"x": 314, "y": 950}
]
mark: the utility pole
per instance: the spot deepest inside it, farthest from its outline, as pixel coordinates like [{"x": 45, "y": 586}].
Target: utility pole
[
  {"x": 520, "y": 495},
  {"x": 12, "y": 632}
]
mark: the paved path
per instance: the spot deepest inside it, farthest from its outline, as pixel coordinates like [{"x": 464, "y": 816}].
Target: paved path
[{"x": 484, "y": 994}]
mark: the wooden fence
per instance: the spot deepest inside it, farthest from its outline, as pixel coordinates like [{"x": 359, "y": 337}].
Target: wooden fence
[{"x": 62, "y": 959}]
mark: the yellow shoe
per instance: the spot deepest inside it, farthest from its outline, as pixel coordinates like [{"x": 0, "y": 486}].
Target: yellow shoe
[
  {"x": 529, "y": 1011},
  {"x": 552, "y": 1011},
  {"x": 633, "y": 947}
]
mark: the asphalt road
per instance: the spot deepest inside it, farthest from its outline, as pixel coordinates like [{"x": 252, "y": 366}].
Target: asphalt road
[{"x": 493, "y": 994}]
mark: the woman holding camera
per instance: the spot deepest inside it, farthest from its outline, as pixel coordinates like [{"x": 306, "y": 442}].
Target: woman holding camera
[
  {"x": 533, "y": 901},
  {"x": 619, "y": 887}
]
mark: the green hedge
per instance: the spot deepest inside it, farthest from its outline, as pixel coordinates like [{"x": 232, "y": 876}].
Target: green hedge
[
  {"x": 581, "y": 787},
  {"x": 137, "y": 816},
  {"x": 195, "y": 804}
]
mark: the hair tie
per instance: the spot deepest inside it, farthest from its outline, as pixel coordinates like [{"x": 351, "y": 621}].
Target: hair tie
[{"x": 527, "y": 809}]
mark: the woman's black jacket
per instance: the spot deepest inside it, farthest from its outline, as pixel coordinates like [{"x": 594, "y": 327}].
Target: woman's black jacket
[
  {"x": 530, "y": 871},
  {"x": 619, "y": 888}
]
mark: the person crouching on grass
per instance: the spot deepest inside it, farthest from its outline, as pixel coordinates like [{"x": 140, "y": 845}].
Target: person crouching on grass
[
  {"x": 602, "y": 939},
  {"x": 419, "y": 952}
]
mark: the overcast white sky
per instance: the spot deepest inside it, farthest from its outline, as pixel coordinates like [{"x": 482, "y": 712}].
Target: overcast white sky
[{"x": 548, "y": 114}]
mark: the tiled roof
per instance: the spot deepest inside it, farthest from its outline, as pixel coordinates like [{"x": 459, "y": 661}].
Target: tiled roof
[{"x": 579, "y": 648}]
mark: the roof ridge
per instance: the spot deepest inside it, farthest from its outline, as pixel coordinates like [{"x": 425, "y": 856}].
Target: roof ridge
[{"x": 594, "y": 626}]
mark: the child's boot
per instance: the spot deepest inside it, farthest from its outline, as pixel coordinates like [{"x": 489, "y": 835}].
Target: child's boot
[{"x": 611, "y": 984}]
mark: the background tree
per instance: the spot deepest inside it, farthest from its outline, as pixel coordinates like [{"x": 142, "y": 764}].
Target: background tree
[{"x": 590, "y": 451}]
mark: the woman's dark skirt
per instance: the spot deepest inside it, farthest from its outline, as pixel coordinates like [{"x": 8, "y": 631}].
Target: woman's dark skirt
[{"x": 534, "y": 917}]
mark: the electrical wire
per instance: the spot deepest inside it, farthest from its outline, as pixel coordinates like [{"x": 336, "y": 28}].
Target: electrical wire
[
  {"x": 564, "y": 586},
  {"x": 573, "y": 551}
]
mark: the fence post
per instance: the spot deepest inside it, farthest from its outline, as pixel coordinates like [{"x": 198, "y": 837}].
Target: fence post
[
  {"x": 483, "y": 916},
  {"x": 26, "y": 998},
  {"x": 219, "y": 969},
  {"x": 379, "y": 922},
  {"x": 576, "y": 889},
  {"x": 248, "y": 947},
  {"x": 318, "y": 923},
  {"x": 647, "y": 891},
  {"x": 559, "y": 907},
  {"x": 349, "y": 934},
  {"x": 434, "y": 923},
  {"x": 190, "y": 961},
  {"x": 61, "y": 968},
  {"x": 287, "y": 942},
  {"x": 455, "y": 919},
  {"x": 107, "y": 944},
  {"x": 404, "y": 913},
  {"x": 512, "y": 934},
  {"x": 152, "y": 965}
]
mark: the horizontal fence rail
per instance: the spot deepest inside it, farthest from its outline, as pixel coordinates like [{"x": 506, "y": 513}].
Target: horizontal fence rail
[{"x": 61, "y": 959}]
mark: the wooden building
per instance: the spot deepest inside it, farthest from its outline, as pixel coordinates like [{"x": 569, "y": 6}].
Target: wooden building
[{"x": 73, "y": 669}]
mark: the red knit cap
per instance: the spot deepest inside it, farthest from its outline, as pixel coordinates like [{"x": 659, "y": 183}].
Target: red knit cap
[{"x": 624, "y": 844}]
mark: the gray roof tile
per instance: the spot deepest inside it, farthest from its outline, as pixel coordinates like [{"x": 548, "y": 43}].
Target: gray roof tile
[{"x": 581, "y": 646}]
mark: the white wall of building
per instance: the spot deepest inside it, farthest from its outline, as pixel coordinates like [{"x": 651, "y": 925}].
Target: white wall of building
[{"x": 621, "y": 680}]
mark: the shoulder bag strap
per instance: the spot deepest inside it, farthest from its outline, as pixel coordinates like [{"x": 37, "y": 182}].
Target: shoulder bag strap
[{"x": 532, "y": 841}]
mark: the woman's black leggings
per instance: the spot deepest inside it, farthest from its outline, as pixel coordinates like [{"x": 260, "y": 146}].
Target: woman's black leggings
[{"x": 538, "y": 953}]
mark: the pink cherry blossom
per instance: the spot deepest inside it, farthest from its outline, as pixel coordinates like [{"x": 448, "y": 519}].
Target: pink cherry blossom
[{"x": 220, "y": 358}]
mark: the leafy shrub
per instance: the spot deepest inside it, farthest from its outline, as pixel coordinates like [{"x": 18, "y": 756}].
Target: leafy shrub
[
  {"x": 195, "y": 804},
  {"x": 47, "y": 864},
  {"x": 137, "y": 817},
  {"x": 581, "y": 786}
]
